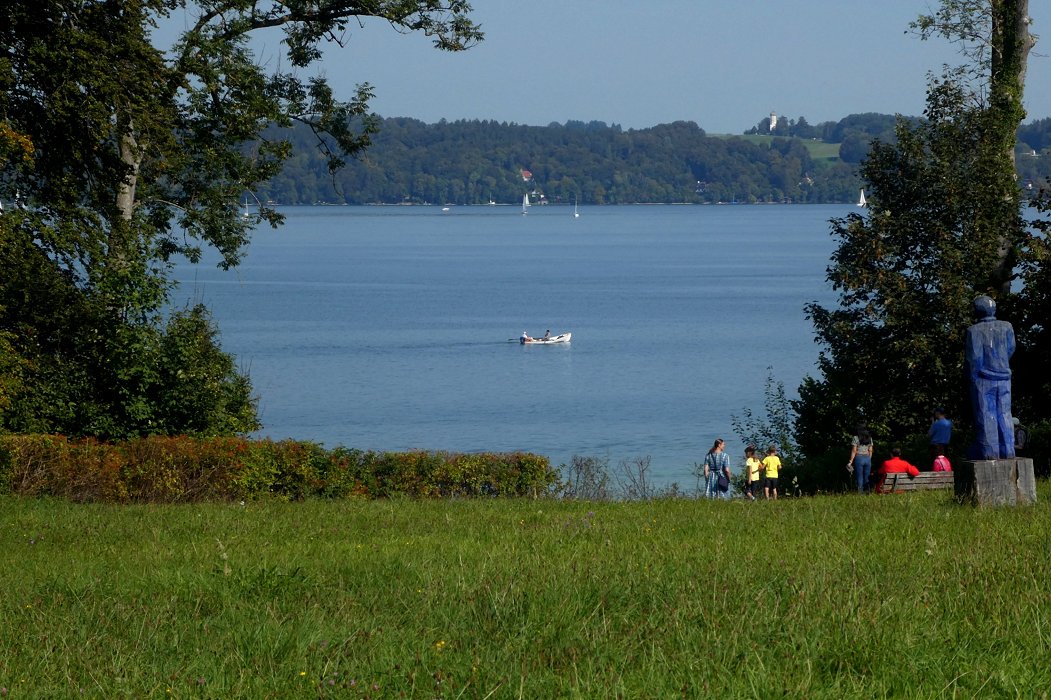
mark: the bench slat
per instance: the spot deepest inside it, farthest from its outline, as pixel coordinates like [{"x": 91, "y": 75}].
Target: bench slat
[{"x": 923, "y": 481}]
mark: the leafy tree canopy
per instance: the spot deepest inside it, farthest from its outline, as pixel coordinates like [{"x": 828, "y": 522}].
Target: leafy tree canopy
[
  {"x": 944, "y": 224},
  {"x": 473, "y": 161},
  {"x": 123, "y": 155}
]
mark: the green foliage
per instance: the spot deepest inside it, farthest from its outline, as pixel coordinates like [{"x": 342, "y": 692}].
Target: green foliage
[
  {"x": 811, "y": 472},
  {"x": 1031, "y": 364},
  {"x": 124, "y": 154},
  {"x": 183, "y": 469},
  {"x": 10, "y": 374},
  {"x": 944, "y": 224},
  {"x": 907, "y": 272},
  {"x": 471, "y": 162},
  {"x": 77, "y": 367},
  {"x": 1039, "y": 449},
  {"x": 1036, "y": 135},
  {"x": 199, "y": 390},
  {"x": 774, "y": 428}
]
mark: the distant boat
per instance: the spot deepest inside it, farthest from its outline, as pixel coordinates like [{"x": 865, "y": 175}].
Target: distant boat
[
  {"x": 247, "y": 212},
  {"x": 526, "y": 339},
  {"x": 525, "y": 203},
  {"x": 576, "y": 214},
  {"x": 861, "y": 199}
]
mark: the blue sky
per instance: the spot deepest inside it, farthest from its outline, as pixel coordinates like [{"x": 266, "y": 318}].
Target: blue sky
[{"x": 724, "y": 65}]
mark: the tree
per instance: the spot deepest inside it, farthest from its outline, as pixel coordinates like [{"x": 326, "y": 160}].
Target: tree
[
  {"x": 906, "y": 271},
  {"x": 942, "y": 226},
  {"x": 127, "y": 155},
  {"x": 773, "y": 428},
  {"x": 994, "y": 35}
]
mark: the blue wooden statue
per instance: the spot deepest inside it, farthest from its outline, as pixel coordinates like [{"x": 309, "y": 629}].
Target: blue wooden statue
[{"x": 990, "y": 344}]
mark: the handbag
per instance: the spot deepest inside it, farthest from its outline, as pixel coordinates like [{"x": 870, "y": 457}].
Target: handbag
[{"x": 723, "y": 484}]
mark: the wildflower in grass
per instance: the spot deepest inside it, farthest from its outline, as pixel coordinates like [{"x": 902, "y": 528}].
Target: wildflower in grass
[
  {"x": 439, "y": 645},
  {"x": 302, "y": 673}
]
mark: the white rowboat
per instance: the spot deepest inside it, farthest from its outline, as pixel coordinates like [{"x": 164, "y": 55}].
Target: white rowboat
[{"x": 551, "y": 340}]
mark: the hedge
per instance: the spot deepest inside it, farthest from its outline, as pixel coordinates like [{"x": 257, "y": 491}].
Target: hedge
[{"x": 185, "y": 469}]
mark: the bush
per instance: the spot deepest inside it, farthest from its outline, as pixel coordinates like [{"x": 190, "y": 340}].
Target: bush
[
  {"x": 181, "y": 469},
  {"x": 587, "y": 479},
  {"x": 1040, "y": 448}
]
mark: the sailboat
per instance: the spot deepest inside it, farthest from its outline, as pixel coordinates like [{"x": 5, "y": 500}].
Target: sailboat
[
  {"x": 861, "y": 199},
  {"x": 525, "y": 203},
  {"x": 576, "y": 214},
  {"x": 247, "y": 212}
]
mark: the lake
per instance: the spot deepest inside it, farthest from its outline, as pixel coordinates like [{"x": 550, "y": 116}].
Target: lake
[{"x": 391, "y": 328}]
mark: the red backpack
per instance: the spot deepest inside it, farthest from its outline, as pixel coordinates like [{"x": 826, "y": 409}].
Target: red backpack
[{"x": 941, "y": 464}]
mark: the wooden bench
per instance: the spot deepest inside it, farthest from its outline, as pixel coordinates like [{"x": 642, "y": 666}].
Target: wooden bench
[{"x": 897, "y": 483}]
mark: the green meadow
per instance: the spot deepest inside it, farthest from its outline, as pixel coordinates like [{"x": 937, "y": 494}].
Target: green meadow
[
  {"x": 906, "y": 596},
  {"x": 819, "y": 150}
]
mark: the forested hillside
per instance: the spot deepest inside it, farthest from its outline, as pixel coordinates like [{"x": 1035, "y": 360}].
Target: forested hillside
[{"x": 473, "y": 162}]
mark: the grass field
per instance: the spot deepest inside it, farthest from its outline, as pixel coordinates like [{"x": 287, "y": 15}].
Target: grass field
[{"x": 897, "y": 596}]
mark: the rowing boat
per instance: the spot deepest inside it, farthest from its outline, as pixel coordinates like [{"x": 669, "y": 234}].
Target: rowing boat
[{"x": 550, "y": 340}]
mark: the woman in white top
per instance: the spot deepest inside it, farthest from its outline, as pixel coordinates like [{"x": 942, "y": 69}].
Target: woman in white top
[{"x": 861, "y": 457}]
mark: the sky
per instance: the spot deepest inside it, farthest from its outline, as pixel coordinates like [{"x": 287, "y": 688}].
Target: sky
[{"x": 723, "y": 64}]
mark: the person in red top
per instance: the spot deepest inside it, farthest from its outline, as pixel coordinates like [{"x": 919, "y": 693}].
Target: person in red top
[{"x": 894, "y": 465}]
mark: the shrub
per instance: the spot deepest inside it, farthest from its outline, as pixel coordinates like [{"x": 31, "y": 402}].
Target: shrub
[
  {"x": 587, "y": 479},
  {"x": 1040, "y": 448},
  {"x": 178, "y": 469}
]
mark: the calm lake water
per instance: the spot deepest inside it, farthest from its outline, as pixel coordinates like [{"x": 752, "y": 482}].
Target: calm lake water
[{"x": 391, "y": 328}]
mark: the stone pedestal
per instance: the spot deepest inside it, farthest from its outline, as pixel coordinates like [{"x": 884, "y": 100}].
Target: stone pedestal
[{"x": 996, "y": 482}]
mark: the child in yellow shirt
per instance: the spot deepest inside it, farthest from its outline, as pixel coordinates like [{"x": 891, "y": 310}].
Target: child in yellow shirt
[
  {"x": 772, "y": 465},
  {"x": 752, "y": 468}
]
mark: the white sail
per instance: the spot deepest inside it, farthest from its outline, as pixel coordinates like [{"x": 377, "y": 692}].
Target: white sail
[
  {"x": 861, "y": 199},
  {"x": 525, "y": 202}
]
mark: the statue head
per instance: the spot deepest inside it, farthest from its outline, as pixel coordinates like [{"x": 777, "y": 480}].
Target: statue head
[{"x": 984, "y": 307}]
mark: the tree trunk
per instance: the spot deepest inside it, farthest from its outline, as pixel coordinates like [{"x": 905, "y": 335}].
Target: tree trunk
[
  {"x": 132, "y": 157},
  {"x": 1010, "y": 44}
]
